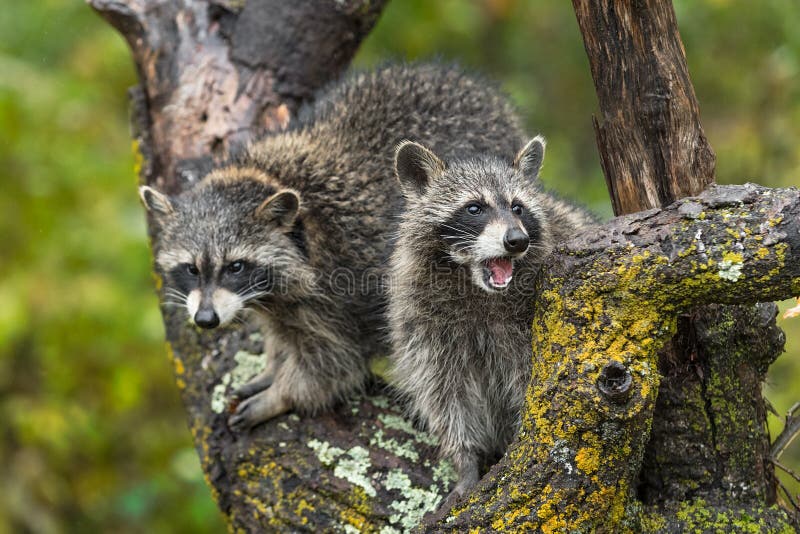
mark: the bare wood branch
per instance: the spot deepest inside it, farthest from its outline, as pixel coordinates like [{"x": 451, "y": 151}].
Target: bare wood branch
[
  {"x": 786, "y": 470},
  {"x": 653, "y": 151},
  {"x": 652, "y": 146},
  {"x": 791, "y": 429},
  {"x": 206, "y": 87}
]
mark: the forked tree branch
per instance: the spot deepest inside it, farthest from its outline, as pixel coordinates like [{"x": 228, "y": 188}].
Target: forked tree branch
[{"x": 215, "y": 73}]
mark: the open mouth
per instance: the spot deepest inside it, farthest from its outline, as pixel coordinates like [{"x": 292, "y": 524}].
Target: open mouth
[{"x": 497, "y": 272}]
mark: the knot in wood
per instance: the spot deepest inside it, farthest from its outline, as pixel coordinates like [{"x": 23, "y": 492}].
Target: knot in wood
[{"x": 615, "y": 382}]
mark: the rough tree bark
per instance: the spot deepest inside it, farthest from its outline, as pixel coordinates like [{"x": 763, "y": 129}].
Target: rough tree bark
[
  {"x": 216, "y": 73},
  {"x": 707, "y": 439}
]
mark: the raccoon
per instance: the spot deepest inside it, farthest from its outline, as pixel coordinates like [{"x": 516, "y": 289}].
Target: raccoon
[
  {"x": 471, "y": 240},
  {"x": 298, "y": 229}
]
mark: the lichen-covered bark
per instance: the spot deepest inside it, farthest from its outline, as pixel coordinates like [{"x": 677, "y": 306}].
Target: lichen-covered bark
[
  {"x": 608, "y": 302},
  {"x": 363, "y": 466},
  {"x": 216, "y": 73},
  {"x": 654, "y": 151},
  {"x": 728, "y": 442}
]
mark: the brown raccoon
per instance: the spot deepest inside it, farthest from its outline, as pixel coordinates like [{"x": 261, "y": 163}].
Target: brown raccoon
[
  {"x": 470, "y": 242},
  {"x": 299, "y": 229}
]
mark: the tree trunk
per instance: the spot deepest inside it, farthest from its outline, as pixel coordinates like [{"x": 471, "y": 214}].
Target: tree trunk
[
  {"x": 654, "y": 151},
  {"x": 217, "y": 73}
]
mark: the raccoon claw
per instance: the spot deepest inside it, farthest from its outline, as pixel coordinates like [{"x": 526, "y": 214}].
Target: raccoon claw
[
  {"x": 238, "y": 423},
  {"x": 256, "y": 409},
  {"x": 251, "y": 388},
  {"x": 444, "y": 509}
]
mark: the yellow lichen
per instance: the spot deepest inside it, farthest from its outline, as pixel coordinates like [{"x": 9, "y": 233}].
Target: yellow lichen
[
  {"x": 138, "y": 158},
  {"x": 732, "y": 257},
  {"x": 588, "y": 459}
]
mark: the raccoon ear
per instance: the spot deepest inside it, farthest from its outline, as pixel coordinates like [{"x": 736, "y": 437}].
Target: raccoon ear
[
  {"x": 415, "y": 165},
  {"x": 529, "y": 160},
  {"x": 281, "y": 207},
  {"x": 155, "y": 202}
]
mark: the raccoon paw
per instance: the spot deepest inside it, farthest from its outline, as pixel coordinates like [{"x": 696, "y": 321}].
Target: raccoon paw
[
  {"x": 444, "y": 509},
  {"x": 257, "y": 409},
  {"x": 254, "y": 386}
]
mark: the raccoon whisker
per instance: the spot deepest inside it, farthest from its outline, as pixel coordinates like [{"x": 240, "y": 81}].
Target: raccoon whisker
[
  {"x": 238, "y": 320},
  {"x": 466, "y": 245},
  {"x": 256, "y": 304},
  {"x": 448, "y": 236},
  {"x": 169, "y": 292},
  {"x": 463, "y": 229},
  {"x": 459, "y": 226},
  {"x": 250, "y": 293}
]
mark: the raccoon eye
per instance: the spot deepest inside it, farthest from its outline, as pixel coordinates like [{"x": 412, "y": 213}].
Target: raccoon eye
[
  {"x": 192, "y": 269},
  {"x": 474, "y": 209},
  {"x": 236, "y": 267},
  {"x": 516, "y": 209}
]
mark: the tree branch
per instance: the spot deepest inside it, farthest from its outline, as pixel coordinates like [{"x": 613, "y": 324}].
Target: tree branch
[
  {"x": 651, "y": 143},
  {"x": 215, "y": 74},
  {"x": 365, "y": 466},
  {"x": 653, "y": 151},
  {"x": 608, "y": 302},
  {"x": 791, "y": 429}
]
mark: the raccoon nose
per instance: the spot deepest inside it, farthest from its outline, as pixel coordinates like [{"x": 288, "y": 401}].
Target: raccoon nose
[
  {"x": 206, "y": 318},
  {"x": 516, "y": 240}
]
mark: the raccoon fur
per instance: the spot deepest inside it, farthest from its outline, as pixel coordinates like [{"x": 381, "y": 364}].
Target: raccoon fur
[
  {"x": 470, "y": 242},
  {"x": 298, "y": 230}
]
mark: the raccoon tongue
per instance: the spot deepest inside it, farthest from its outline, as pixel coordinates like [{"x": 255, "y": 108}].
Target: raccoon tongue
[{"x": 501, "y": 269}]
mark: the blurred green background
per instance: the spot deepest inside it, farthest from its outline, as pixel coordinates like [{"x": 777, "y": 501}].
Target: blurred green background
[{"x": 93, "y": 433}]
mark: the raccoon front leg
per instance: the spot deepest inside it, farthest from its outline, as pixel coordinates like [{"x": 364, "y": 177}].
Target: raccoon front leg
[
  {"x": 466, "y": 461},
  {"x": 467, "y": 468},
  {"x": 301, "y": 387},
  {"x": 276, "y": 351},
  {"x": 263, "y": 380},
  {"x": 459, "y": 413},
  {"x": 258, "y": 408},
  {"x": 314, "y": 382}
]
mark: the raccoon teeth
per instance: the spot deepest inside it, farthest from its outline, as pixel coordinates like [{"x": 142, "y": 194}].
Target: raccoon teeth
[{"x": 500, "y": 272}]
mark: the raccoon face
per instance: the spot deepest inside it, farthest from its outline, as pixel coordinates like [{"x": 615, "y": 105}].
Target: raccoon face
[
  {"x": 226, "y": 245},
  {"x": 484, "y": 212}
]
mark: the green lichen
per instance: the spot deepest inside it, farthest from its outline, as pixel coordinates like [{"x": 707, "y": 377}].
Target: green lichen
[
  {"x": 404, "y": 449},
  {"x": 326, "y": 453},
  {"x": 444, "y": 473},
  {"x": 414, "y": 503},
  {"x": 219, "y": 398},
  {"x": 256, "y": 337},
  {"x": 248, "y": 365},
  {"x": 396, "y": 422},
  {"x": 730, "y": 268},
  {"x": 380, "y": 401},
  {"x": 699, "y": 517},
  {"x": 353, "y": 467}
]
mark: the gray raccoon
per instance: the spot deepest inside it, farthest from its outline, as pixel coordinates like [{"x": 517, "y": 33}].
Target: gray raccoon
[
  {"x": 299, "y": 229},
  {"x": 471, "y": 239}
]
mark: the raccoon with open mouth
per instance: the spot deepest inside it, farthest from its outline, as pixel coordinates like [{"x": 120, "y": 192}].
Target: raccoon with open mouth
[
  {"x": 299, "y": 230},
  {"x": 470, "y": 242}
]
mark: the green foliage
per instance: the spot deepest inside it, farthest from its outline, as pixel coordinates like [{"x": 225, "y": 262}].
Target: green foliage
[
  {"x": 94, "y": 438},
  {"x": 93, "y": 434}
]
